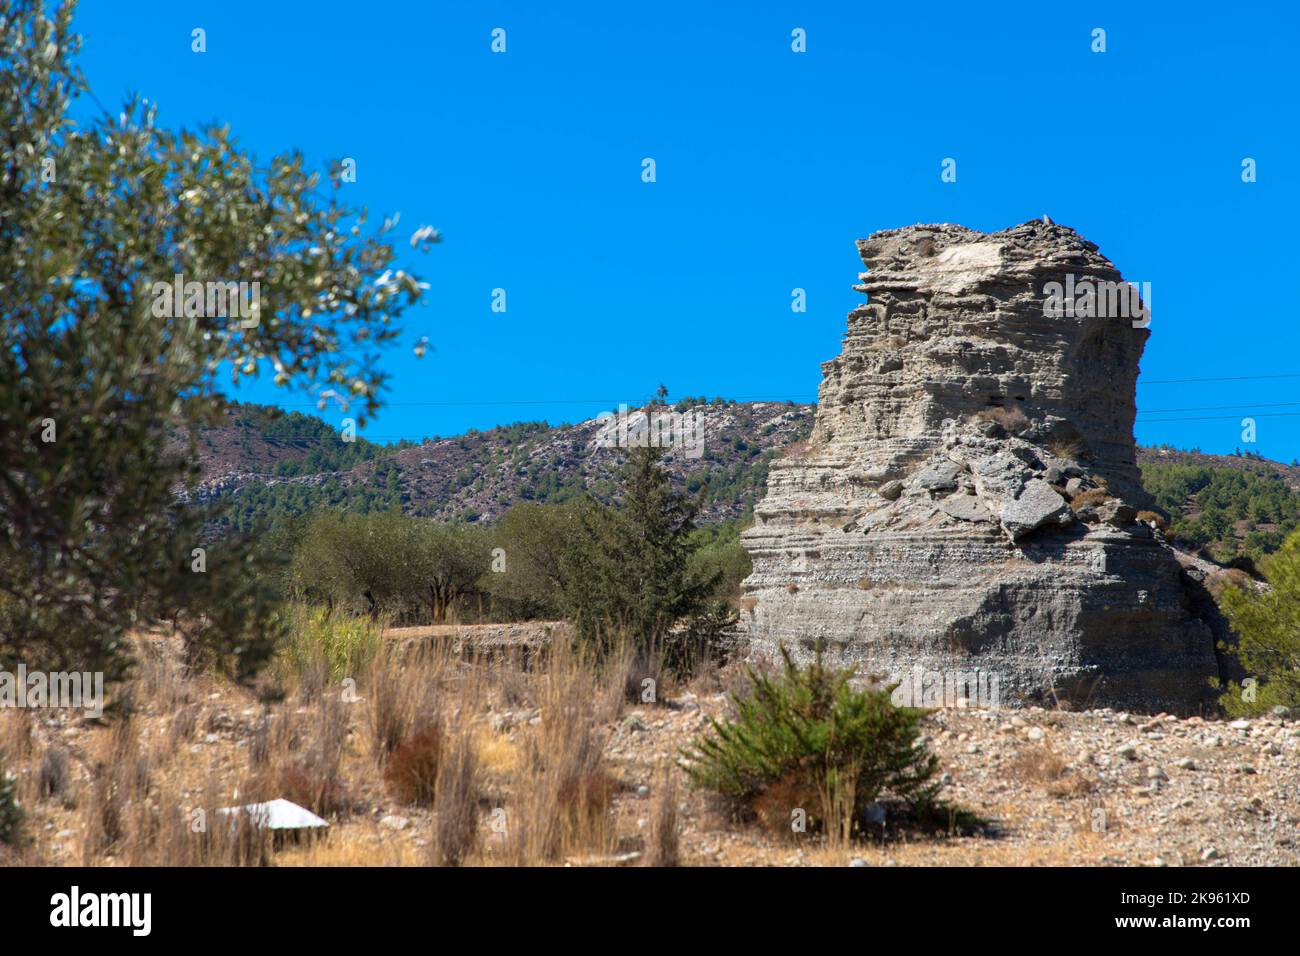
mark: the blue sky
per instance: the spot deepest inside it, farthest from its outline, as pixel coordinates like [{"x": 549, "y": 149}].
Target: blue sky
[{"x": 769, "y": 165}]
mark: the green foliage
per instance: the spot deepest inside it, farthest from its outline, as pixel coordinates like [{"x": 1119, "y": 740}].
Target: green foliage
[
  {"x": 96, "y": 378},
  {"x": 11, "y": 814},
  {"x": 343, "y": 643},
  {"x": 1267, "y": 625},
  {"x": 809, "y": 738},
  {"x": 533, "y": 539},
  {"x": 628, "y": 571},
  {"x": 388, "y": 563},
  {"x": 1223, "y": 496},
  {"x": 720, "y": 555}
]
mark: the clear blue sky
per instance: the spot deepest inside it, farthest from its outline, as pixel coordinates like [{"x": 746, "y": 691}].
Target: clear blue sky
[{"x": 769, "y": 165}]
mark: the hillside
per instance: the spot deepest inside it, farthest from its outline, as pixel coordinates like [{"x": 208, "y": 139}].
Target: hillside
[
  {"x": 1231, "y": 505},
  {"x": 264, "y": 465}
]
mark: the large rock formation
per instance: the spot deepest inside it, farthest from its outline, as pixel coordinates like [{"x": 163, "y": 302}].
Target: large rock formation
[{"x": 969, "y": 496}]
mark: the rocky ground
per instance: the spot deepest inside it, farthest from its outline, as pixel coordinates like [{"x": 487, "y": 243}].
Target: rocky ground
[
  {"x": 1058, "y": 788},
  {"x": 1055, "y": 787}
]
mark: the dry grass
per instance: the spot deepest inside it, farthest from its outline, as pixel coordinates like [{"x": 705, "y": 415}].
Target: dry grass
[
  {"x": 1152, "y": 518},
  {"x": 1011, "y": 418},
  {"x": 455, "y": 802},
  {"x": 1094, "y": 496},
  {"x": 1066, "y": 449},
  {"x": 1043, "y": 766},
  {"x": 663, "y": 847}
]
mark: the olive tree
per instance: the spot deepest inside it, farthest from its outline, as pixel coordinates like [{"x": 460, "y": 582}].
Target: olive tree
[{"x": 98, "y": 365}]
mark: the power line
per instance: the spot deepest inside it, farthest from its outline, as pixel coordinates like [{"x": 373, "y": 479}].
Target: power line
[
  {"x": 1219, "y": 418},
  {"x": 1229, "y": 378},
  {"x": 1215, "y": 408}
]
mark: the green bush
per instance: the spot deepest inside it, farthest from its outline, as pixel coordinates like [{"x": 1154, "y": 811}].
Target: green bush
[
  {"x": 340, "y": 642},
  {"x": 1267, "y": 625},
  {"x": 805, "y": 739}
]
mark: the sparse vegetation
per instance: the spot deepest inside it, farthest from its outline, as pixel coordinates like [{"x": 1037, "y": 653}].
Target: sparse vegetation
[
  {"x": 1267, "y": 625},
  {"x": 806, "y": 741}
]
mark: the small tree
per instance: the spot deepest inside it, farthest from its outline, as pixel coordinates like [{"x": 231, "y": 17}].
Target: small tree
[
  {"x": 629, "y": 570},
  {"x": 806, "y": 740},
  {"x": 1267, "y": 625},
  {"x": 533, "y": 539},
  {"x": 448, "y": 561}
]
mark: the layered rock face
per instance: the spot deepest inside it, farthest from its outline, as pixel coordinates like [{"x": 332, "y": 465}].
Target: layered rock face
[{"x": 969, "y": 498}]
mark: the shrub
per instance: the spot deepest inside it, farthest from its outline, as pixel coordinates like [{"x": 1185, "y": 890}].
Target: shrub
[
  {"x": 455, "y": 803},
  {"x": 1093, "y": 496},
  {"x": 1267, "y": 624},
  {"x": 341, "y": 643},
  {"x": 412, "y": 770},
  {"x": 1151, "y": 517},
  {"x": 11, "y": 814},
  {"x": 1012, "y": 419},
  {"x": 808, "y": 739}
]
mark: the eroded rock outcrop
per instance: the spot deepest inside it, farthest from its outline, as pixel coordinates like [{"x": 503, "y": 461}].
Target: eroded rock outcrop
[{"x": 970, "y": 497}]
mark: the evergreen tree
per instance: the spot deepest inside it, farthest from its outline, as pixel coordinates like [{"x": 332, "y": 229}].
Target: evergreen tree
[
  {"x": 1267, "y": 624},
  {"x": 629, "y": 573}
]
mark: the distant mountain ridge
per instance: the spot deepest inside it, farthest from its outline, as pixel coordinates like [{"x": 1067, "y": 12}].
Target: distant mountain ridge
[{"x": 265, "y": 465}]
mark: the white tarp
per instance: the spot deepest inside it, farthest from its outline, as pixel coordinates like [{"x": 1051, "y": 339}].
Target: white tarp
[{"x": 277, "y": 815}]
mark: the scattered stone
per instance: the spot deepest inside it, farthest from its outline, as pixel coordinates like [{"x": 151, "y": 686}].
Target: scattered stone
[
  {"x": 890, "y": 490},
  {"x": 394, "y": 822}
]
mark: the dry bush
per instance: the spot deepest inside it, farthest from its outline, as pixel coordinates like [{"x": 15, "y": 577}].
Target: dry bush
[
  {"x": 455, "y": 802},
  {"x": 563, "y": 793},
  {"x": 1011, "y": 418},
  {"x": 797, "y": 450},
  {"x": 119, "y": 784},
  {"x": 1066, "y": 448},
  {"x": 1151, "y": 517},
  {"x": 1043, "y": 766},
  {"x": 411, "y": 771},
  {"x": 1094, "y": 496},
  {"x": 402, "y": 688},
  {"x": 54, "y": 778},
  {"x": 664, "y": 848},
  {"x": 775, "y": 807}
]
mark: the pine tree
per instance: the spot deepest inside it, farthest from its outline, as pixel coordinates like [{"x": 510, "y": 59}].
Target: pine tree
[
  {"x": 1267, "y": 624},
  {"x": 628, "y": 573}
]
